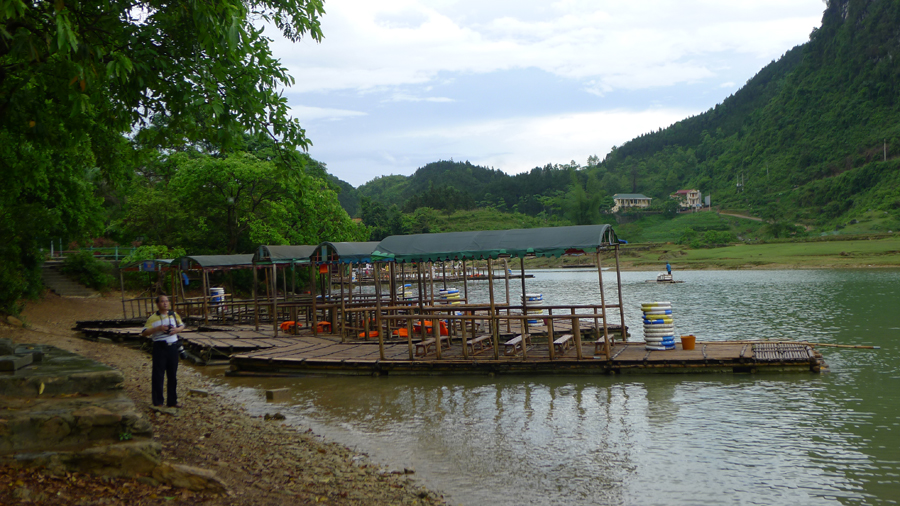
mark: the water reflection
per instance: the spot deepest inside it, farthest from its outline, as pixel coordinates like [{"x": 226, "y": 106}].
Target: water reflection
[{"x": 693, "y": 439}]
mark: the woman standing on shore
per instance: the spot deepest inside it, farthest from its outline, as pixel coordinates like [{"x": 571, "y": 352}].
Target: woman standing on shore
[{"x": 164, "y": 326}]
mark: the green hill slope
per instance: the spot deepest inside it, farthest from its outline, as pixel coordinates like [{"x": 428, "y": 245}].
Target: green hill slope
[{"x": 813, "y": 138}]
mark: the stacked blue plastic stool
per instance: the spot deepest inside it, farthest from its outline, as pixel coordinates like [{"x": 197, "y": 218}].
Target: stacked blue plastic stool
[{"x": 659, "y": 327}]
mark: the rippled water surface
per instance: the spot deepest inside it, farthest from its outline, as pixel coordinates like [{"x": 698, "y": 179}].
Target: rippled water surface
[{"x": 766, "y": 439}]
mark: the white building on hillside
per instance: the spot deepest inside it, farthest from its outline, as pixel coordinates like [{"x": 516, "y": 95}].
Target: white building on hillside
[{"x": 626, "y": 200}]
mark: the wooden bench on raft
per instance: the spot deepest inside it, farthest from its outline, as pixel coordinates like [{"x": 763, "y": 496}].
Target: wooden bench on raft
[
  {"x": 600, "y": 346},
  {"x": 514, "y": 345},
  {"x": 424, "y": 347},
  {"x": 479, "y": 344},
  {"x": 563, "y": 343}
]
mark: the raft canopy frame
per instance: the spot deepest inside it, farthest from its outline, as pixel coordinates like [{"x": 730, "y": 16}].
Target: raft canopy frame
[
  {"x": 345, "y": 252},
  {"x": 520, "y": 243},
  {"x": 278, "y": 254},
  {"x": 493, "y": 244},
  {"x": 149, "y": 265},
  {"x": 213, "y": 262},
  {"x": 206, "y": 264}
]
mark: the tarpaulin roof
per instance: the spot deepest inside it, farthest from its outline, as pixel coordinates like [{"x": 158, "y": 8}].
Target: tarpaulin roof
[
  {"x": 345, "y": 252},
  {"x": 214, "y": 262},
  {"x": 551, "y": 241},
  {"x": 284, "y": 254}
]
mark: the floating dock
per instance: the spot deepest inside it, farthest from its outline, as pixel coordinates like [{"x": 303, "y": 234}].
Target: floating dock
[
  {"x": 317, "y": 355},
  {"x": 261, "y": 353}
]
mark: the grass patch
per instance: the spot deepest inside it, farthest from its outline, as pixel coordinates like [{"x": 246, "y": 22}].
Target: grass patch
[{"x": 850, "y": 252}]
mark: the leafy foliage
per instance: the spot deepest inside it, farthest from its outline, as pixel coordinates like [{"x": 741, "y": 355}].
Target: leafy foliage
[
  {"x": 232, "y": 204},
  {"x": 88, "y": 270},
  {"x": 77, "y": 77}
]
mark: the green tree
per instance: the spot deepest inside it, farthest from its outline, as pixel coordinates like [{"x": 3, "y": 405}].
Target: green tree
[
  {"x": 581, "y": 203},
  {"x": 75, "y": 77},
  {"x": 234, "y": 203}
]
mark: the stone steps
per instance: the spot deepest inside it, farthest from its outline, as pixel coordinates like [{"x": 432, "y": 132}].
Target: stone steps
[
  {"x": 54, "y": 371},
  {"x": 65, "y": 413},
  {"x": 70, "y": 423},
  {"x": 60, "y": 284}
]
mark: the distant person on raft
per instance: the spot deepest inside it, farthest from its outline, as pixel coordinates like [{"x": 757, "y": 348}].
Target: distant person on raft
[{"x": 668, "y": 268}]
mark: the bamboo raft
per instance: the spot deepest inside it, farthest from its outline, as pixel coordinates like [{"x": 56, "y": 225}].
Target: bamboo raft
[
  {"x": 314, "y": 355},
  {"x": 260, "y": 352}
]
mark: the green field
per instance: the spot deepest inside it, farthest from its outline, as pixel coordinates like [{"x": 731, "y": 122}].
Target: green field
[{"x": 871, "y": 251}]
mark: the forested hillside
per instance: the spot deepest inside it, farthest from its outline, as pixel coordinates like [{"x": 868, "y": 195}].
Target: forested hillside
[{"x": 813, "y": 138}]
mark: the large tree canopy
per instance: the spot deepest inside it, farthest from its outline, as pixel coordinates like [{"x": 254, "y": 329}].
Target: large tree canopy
[
  {"x": 78, "y": 78},
  {"x": 233, "y": 204},
  {"x": 127, "y": 61}
]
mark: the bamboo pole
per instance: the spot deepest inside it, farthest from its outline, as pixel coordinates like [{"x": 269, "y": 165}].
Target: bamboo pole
[
  {"x": 431, "y": 281},
  {"x": 294, "y": 298},
  {"x": 378, "y": 327},
  {"x": 621, "y": 304},
  {"x": 314, "y": 291},
  {"x": 462, "y": 328},
  {"x": 576, "y": 332},
  {"x": 121, "y": 284},
  {"x": 275, "y": 299},
  {"x": 343, "y": 304},
  {"x": 181, "y": 285},
  {"x": 550, "y": 337},
  {"x": 603, "y": 308},
  {"x": 409, "y": 333},
  {"x": 525, "y": 328},
  {"x": 420, "y": 285},
  {"x": 205, "y": 297},
  {"x": 506, "y": 272},
  {"x": 805, "y": 343},
  {"x": 495, "y": 332},
  {"x": 255, "y": 298},
  {"x": 173, "y": 292},
  {"x": 466, "y": 284},
  {"x": 436, "y": 332},
  {"x": 392, "y": 286}
]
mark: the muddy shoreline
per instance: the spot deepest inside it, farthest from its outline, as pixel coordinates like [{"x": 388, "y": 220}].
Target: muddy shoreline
[{"x": 262, "y": 460}]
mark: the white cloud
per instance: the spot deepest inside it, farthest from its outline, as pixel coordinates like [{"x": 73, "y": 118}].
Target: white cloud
[
  {"x": 307, "y": 113},
  {"x": 510, "y": 144},
  {"x": 412, "y": 68},
  {"x": 623, "y": 44},
  {"x": 404, "y": 97},
  {"x": 519, "y": 144}
]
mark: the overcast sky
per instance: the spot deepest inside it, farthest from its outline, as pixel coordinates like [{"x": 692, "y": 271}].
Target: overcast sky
[{"x": 518, "y": 84}]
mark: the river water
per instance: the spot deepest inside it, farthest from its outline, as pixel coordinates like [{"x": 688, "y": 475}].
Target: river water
[{"x": 792, "y": 439}]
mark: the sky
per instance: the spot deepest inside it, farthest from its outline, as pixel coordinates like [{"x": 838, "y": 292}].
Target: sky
[{"x": 518, "y": 84}]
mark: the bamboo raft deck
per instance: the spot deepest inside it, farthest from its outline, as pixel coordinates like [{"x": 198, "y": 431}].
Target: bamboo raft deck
[
  {"x": 260, "y": 352},
  {"x": 206, "y": 344},
  {"x": 320, "y": 355}
]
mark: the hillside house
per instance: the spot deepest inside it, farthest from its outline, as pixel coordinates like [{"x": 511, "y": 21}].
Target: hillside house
[
  {"x": 626, "y": 200},
  {"x": 690, "y": 199}
]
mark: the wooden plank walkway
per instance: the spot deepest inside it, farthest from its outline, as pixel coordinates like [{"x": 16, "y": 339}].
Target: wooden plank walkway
[
  {"x": 319, "y": 355},
  {"x": 260, "y": 352}
]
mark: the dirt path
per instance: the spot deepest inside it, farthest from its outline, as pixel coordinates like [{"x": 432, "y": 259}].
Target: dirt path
[
  {"x": 744, "y": 216},
  {"x": 261, "y": 461},
  {"x": 754, "y": 218}
]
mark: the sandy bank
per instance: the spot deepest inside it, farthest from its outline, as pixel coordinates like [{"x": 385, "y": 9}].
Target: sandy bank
[{"x": 263, "y": 462}]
